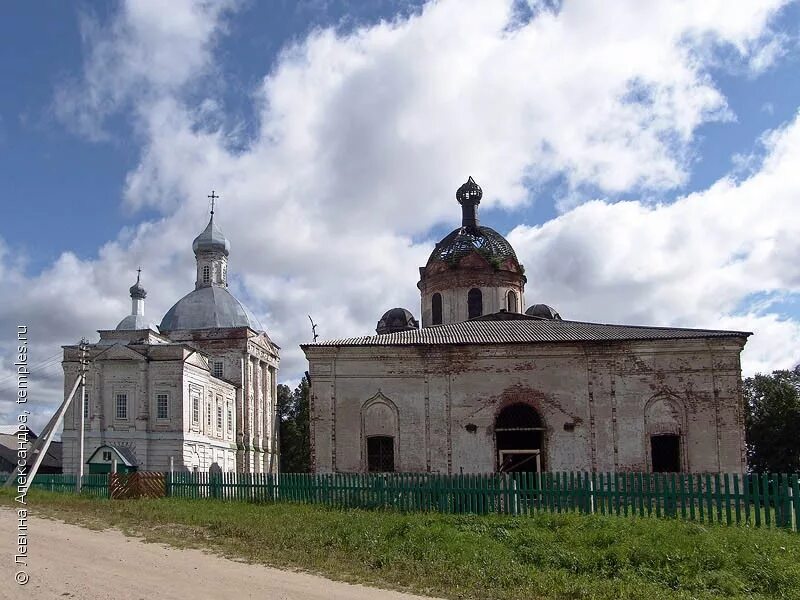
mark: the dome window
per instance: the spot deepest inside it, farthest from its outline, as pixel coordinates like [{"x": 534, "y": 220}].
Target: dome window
[
  {"x": 474, "y": 303},
  {"x": 512, "y": 302},
  {"x": 436, "y": 308}
]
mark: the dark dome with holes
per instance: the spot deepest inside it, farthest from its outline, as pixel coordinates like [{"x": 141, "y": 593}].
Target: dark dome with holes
[
  {"x": 543, "y": 311},
  {"x": 396, "y": 319},
  {"x": 465, "y": 240}
]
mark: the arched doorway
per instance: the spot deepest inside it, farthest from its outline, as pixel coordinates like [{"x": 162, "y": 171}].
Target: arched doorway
[{"x": 519, "y": 434}]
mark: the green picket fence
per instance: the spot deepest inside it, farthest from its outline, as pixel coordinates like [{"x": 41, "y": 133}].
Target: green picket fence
[
  {"x": 759, "y": 500},
  {"x": 92, "y": 485}
]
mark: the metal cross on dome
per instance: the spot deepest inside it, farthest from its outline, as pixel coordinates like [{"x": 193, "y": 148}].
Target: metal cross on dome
[{"x": 213, "y": 197}]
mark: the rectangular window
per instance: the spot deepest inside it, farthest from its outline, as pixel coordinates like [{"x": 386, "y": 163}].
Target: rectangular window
[
  {"x": 195, "y": 408},
  {"x": 380, "y": 454},
  {"x": 230, "y": 419},
  {"x": 216, "y": 369},
  {"x": 122, "y": 406},
  {"x": 208, "y": 411},
  {"x": 85, "y": 403},
  {"x": 162, "y": 406},
  {"x": 219, "y": 417},
  {"x": 666, "y": 453},
  {"x": 107, "y": 456}
]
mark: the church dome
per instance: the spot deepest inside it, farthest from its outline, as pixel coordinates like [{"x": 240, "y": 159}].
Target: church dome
[
  {"x": 465, "y": 240},
  {"x": 472, "y": 237},
  {"x": 135, "y": 323},
  {"x": 543, "y": 311},
  {"x": 206, "y": 308},
  {"x": 137, "y": 290},
  {"x": 211, "y": 239},
  {"x": 396, "y": 319}
]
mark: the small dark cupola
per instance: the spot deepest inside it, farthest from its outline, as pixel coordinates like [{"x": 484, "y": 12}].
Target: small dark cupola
[
  {"x": 469, "y": 196},
  {"x": 396, "y": 319},
  {"x": 543, "y": 311}
]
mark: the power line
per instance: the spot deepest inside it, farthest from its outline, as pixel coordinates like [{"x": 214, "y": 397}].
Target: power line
[{"x": 48, "y": 362}]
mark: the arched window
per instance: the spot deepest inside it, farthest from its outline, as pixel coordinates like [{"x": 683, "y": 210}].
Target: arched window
[
  {"x": 519, "y": 433},
  {"x": 206, "y": 274},
  {"x": 474, "y": 303},
  {"x": 436, "y": 309},
  {"x": 512, "y": 302}
]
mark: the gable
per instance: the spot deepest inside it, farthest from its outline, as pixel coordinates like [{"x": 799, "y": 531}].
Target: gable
[{"x": 119, "y": 352}]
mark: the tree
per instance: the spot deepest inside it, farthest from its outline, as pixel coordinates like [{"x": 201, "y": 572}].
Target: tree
[
  {"x": 292, "y": 408},
  {"x": 772, "y": 404}
]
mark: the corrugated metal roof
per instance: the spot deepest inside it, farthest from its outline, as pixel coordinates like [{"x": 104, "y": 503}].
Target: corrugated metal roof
[{"x": 525, "y": 332}]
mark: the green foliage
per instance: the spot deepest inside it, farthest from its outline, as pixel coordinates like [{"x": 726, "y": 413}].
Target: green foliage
[
  {"x": 545, "y": 556},
  {"x": 773, "y": 421},
  {"x": 292, "y": 409}
]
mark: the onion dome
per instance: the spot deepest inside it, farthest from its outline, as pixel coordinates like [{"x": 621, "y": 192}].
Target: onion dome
[
  {"x": 396, "y": 319},
  {"x": 136, "y": 320},
  {"x": 137, "y": 290},
  {"x": 543, "y": 311},
  {"x": 471, "y": 237},
  {"x": 208, "y": 308},
  {"x": 211, "y": 239}
]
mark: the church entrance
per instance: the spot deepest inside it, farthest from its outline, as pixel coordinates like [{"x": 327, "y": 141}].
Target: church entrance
[{"x": 519, "y": 435}]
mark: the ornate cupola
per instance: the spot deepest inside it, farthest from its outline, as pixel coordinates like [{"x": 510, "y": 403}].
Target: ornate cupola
[
  {"x": 473, "y": 271},
  {"x": 211, "y": 250},
  {"x": 210, "y": 305},
  {"x": 136, "y": 320}
]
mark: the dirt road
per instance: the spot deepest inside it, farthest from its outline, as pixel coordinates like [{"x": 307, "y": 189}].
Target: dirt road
[{"x": 66, "y": 561}]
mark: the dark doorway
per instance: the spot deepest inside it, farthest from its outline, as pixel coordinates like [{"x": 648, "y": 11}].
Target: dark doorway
[
  {"x": 666, "y": 453},
  {"x": 519, "y": 434},
  {"x": 436, "y": 308},
  {"x": 474, "y": 303},
  {"x": 380, "y": 454}
]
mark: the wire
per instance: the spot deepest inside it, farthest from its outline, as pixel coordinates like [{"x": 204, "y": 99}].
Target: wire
[{"x": 46, "y": 363}]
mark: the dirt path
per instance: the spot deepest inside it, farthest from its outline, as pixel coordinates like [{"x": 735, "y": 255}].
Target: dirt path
[{"x": 66, "y": 561}]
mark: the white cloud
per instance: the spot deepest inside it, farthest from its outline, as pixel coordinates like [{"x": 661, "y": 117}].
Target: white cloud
[
  {"x": 690, "y": 263},
  {"x": 364, "y": 135}
]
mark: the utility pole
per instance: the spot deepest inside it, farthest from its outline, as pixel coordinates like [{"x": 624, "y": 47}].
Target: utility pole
[{"x": 82, "y": 407}]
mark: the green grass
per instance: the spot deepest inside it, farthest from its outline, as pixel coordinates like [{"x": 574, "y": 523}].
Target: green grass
[{"x": 543, "y": 556}]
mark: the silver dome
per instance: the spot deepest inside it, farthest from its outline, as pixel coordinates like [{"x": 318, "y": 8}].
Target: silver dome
[
  {"x": 211, "y": 238},
  {"x": 135, "y": 323},
  {"x": 206, "y": 308}
]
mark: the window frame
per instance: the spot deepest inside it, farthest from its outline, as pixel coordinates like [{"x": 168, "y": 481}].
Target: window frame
[
  {"x": 377, "y": 458},
  {"x": 474, "y": 303},
  {"x": 159, "y": 396},
  {"x": 206, "y": 274},
  {"x": 219, "y": 373},
  {"x": 512, "y": 295},
  {"x": 195, "y": 407},
  {"x": 121, "y": 397},
  {"x": 437, "y": 309}
]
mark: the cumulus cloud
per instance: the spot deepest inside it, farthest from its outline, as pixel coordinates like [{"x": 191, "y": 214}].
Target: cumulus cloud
[
  {"x": 363, "y": 136},
  {"x": 690, "y": 263}
]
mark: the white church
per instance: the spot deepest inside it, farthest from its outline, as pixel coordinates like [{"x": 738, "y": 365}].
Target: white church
[{"x": 196, "y": 392}]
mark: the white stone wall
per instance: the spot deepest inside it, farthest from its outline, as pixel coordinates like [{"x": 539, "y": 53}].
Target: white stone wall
[
  {"x": 611, "y": 397},
  {"x": 119, "y": 369}
]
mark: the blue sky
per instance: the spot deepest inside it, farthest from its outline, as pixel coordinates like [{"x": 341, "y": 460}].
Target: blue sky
[
  {"x": 337, "y": 133},
  {"x": 79, "y": 183}
]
